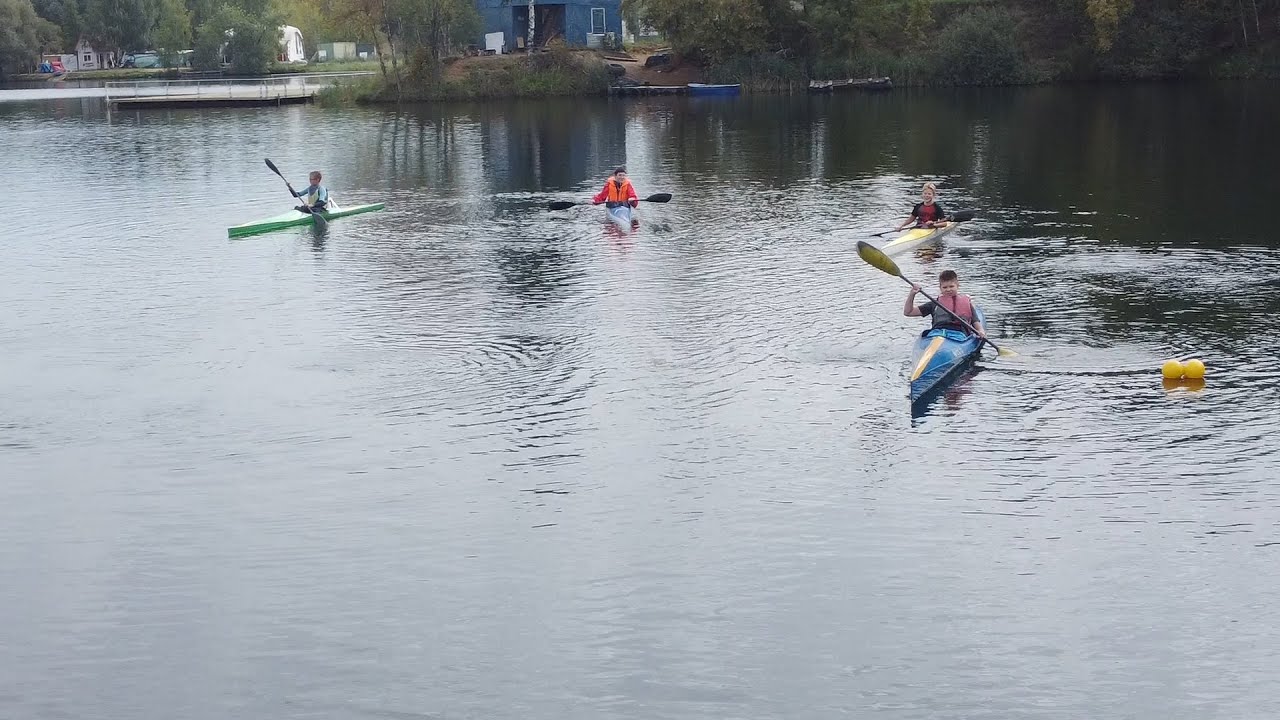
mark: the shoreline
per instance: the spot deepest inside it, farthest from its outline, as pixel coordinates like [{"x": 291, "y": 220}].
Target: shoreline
[{"x": 570, "y": 73}]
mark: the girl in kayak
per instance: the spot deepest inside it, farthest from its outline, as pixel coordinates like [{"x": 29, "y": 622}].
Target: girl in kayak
[
  {"x": 617, "y": 191},
  {"x": 950, "y": 304},
  {"x": 927, "y": 213},
  {"x": 317, "y": 197}
]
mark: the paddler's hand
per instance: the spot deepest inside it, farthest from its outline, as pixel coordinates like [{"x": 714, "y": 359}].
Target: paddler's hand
[
  {"x": 916, "y": 289},
  {"x": 596, "y": 202}
]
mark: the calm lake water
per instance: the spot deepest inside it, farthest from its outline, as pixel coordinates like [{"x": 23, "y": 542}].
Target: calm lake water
[{"x": 467, "y": 458}]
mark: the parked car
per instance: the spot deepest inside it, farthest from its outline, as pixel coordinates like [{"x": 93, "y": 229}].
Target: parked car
[{"x": 141, "y": 60}]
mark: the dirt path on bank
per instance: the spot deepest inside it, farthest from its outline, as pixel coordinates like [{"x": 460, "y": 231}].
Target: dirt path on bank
[{"x": 666, "y": 75}]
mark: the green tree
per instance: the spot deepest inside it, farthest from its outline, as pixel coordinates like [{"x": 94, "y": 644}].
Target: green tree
[
  {"x": 172, "y": 31},
  {"x": 202, "y": 10},
  {"x": 920, "y": 23},
  {"x": 980, "y": 48},
  {"x": 120, "y": 25},
  {"x": 250, "y": 37},
  {"x": 66, "y": 14},
  {"x": 23, "y": 36},
  {"x": 714, "y": 30}
]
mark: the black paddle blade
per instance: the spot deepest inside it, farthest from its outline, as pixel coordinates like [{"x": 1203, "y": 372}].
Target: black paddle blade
[
  {"x": 560, "y": 205},
  {"x": 273, "y": 167},
  {"x": 963, "y": 216},
  {"x": 659, "y": 198}
]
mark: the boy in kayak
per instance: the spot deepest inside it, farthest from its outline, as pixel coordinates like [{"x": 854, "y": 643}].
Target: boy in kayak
[
  {"x": 926, "y": 214},
  {"x": 317, "y": 197},
  {"x": 950, "y": 304},
  {"x": 617, "y": 190}
]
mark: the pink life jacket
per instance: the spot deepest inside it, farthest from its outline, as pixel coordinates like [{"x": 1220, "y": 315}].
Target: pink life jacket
[{"x": 961, "y": 305}]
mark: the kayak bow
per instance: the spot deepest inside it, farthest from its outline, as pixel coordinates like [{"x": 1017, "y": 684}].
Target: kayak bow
[
  {"x": 621, "y": 216},
  {"x": 295, "y": 217}
]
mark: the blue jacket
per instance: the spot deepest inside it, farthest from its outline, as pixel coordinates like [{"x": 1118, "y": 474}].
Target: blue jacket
[{"x": 315, "y": 194}]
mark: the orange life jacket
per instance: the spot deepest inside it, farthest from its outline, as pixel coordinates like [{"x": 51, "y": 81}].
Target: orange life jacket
[{"x": 618, "y": 193}]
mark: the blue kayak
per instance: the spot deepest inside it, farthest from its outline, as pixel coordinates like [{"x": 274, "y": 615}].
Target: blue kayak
[
  {"x": 705, "y": 89},
  {"x": 939, "y": 356},
  {"x": 621, "y": 216}
]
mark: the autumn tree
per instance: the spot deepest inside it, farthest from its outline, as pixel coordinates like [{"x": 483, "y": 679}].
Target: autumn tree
[{"x": 1107, "y": 16}]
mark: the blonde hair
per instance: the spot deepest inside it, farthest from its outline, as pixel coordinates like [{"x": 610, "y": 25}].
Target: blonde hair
[{"x": 930, "y": 186}]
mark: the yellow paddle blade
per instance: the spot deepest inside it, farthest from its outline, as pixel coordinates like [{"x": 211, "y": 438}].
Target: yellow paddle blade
[
  {"x": 877, "y": 259},
  {"x": 1006, "y": 352}
]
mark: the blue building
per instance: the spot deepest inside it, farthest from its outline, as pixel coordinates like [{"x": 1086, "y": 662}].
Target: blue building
[{"x": 574, "y": 21}]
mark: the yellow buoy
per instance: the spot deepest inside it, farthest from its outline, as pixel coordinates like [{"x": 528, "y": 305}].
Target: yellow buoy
[
  {"x": 1172, "y": 369},
  {"x": 1194, "y": 370}
]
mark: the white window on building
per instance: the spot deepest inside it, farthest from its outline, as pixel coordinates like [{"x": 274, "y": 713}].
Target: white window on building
[
  {"x": 88, "y": 57},
  {"x": 597, "y": 21}
]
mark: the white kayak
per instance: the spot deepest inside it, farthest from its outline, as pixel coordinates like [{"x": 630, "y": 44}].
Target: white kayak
[
  {"x": 621, "y": 216},
  {"x": 917, "y": 237}
]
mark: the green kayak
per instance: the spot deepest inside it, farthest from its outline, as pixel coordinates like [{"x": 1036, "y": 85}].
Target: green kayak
[{"x": 295, "y": 217}]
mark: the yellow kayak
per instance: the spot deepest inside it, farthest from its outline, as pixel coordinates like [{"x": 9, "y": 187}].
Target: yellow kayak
[{"x": 917, "y": 237}]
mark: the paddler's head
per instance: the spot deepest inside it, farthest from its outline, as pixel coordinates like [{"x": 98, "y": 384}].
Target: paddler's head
[
  {"x": 315, "y": 177},
  {"x": 620, "y": 175},
  {"x": 948, "y": 283},
  {"x": 929, "y": 193}
]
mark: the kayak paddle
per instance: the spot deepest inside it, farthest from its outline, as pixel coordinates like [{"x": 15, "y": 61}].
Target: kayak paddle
[
  {"x": 565, "y": 204},
  {"x": 878, "y": 260},
  {"x": 962, "y": 216},
  {"x": 321, "y": 223}
]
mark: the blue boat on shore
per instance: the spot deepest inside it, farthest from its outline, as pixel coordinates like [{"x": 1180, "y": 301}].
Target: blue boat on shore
[
  {"x": 702, "y": 89},
  {"x": 939, "y": 356}
]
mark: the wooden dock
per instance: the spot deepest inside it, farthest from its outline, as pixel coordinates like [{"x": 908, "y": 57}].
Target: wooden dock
[
  {"x": 271, "y": 91},
  {"x": 290, "y": 96}
]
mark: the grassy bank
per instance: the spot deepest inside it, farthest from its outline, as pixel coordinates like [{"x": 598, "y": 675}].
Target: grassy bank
[
  {"x": 556, "y": 73},
  {"x": 326, "y": 67}
]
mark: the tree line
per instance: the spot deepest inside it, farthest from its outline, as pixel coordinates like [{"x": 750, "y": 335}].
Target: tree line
[
  {"x": 416, "y": 32},
  {"x": 914, "y": 41},
  {"x": 972, "y": 41}
]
